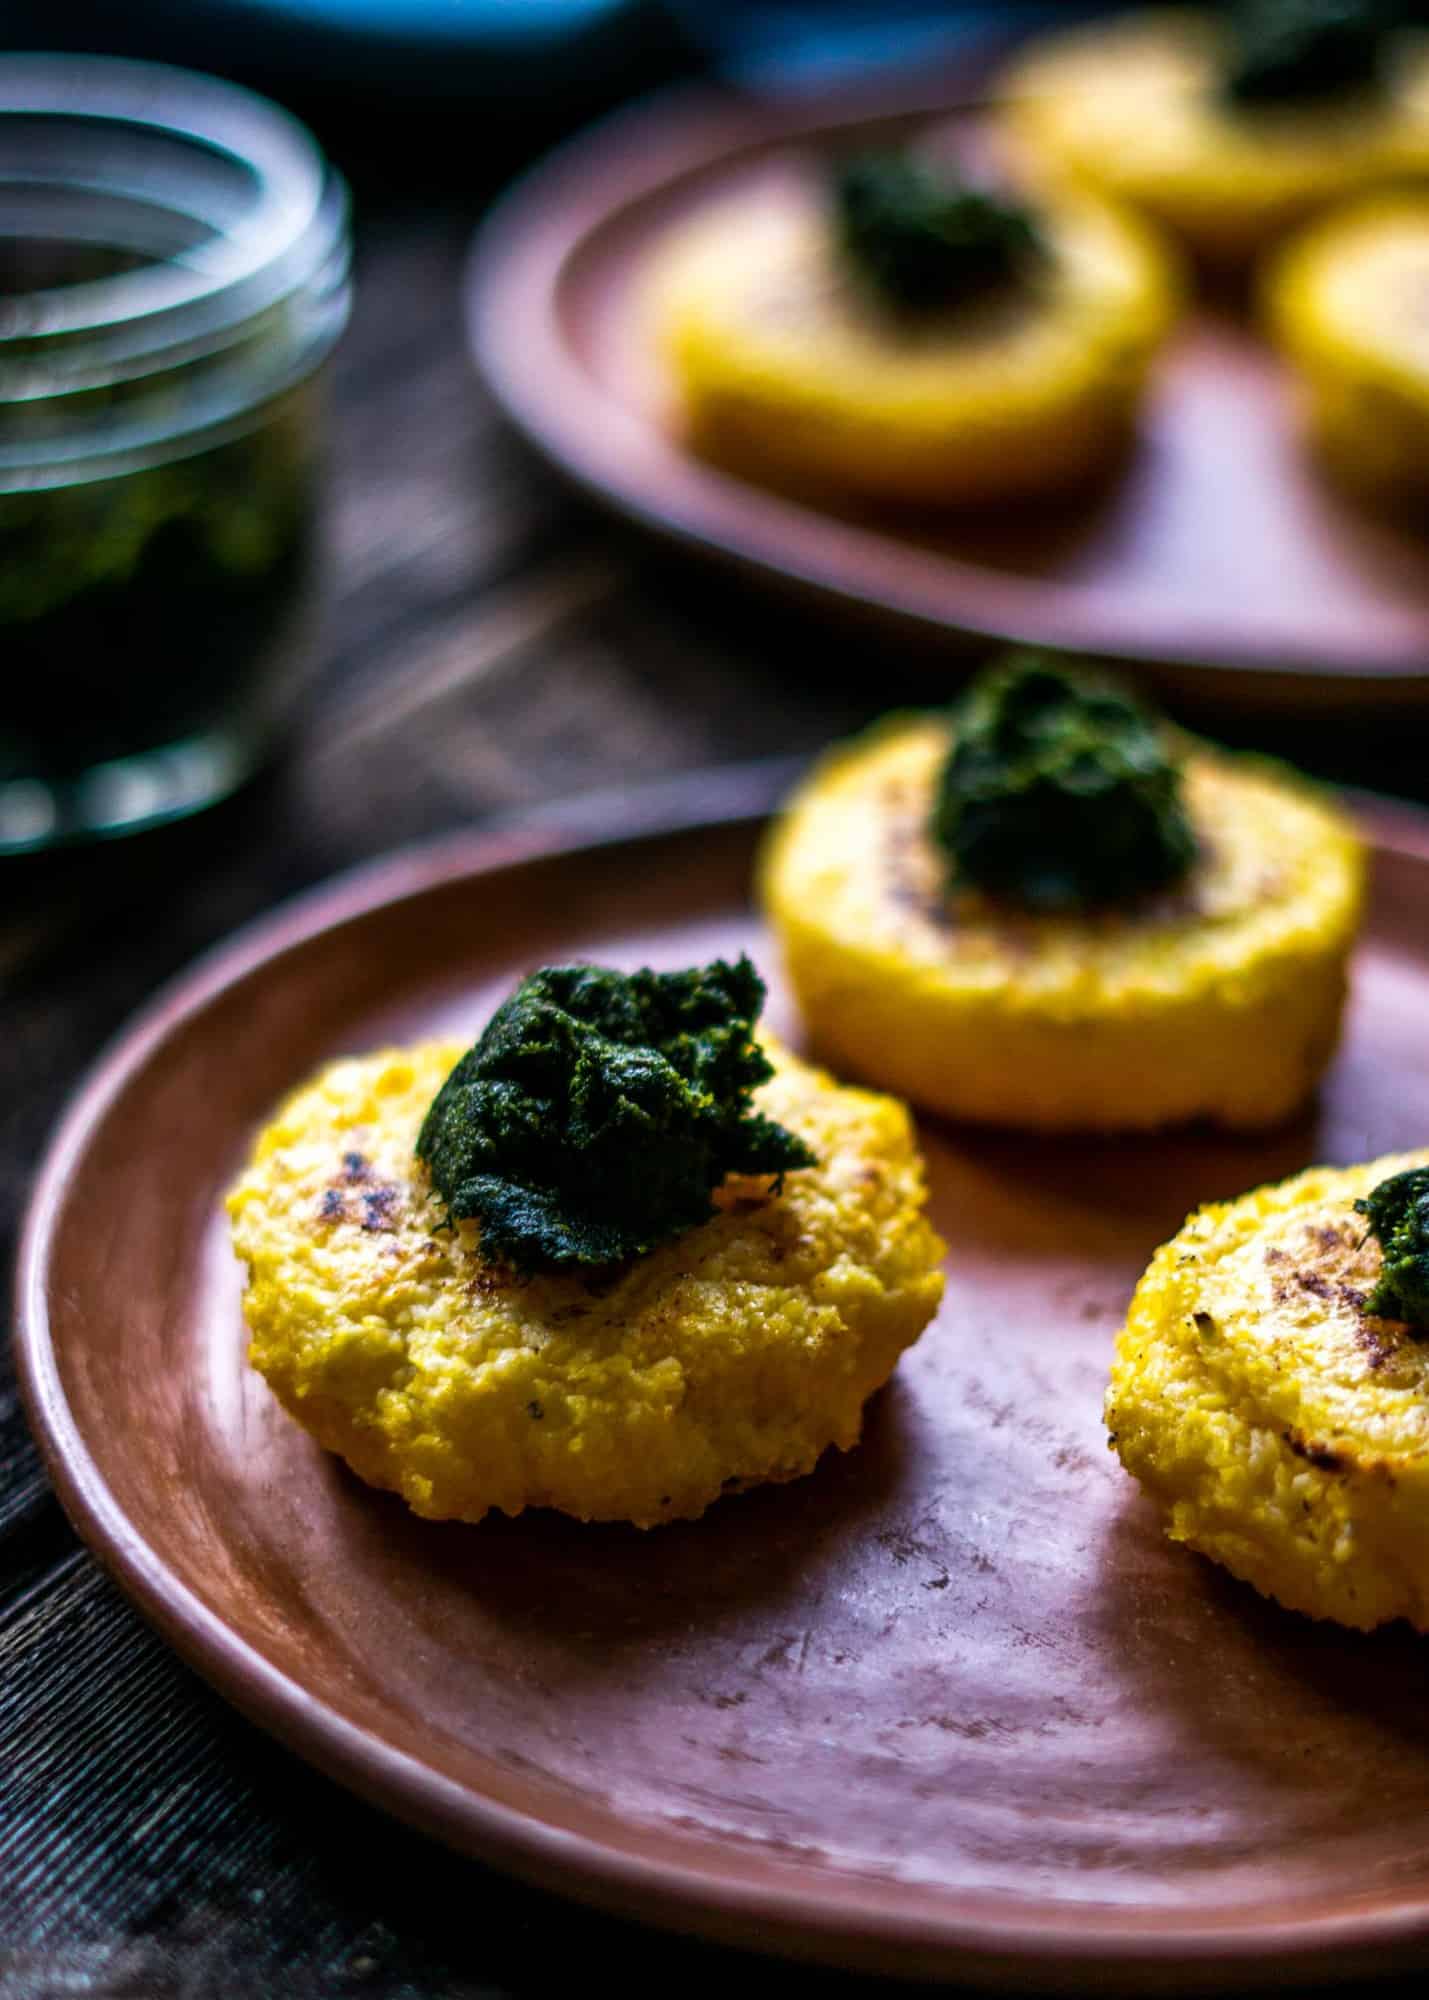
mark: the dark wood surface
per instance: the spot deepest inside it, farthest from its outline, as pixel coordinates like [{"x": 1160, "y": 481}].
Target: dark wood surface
[{"x": 492, "y": 645}]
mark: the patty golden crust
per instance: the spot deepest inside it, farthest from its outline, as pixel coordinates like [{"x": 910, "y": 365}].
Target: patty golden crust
[
  {"x": 735, "y": 1354},
  {"x": 787, "y": 369},
  {"x": 1132, "y": 107},
  {"x": 1219, "y": 998},
  {"x": 1284, "y": 1429},
  {"x": 1345, "y": 304}
]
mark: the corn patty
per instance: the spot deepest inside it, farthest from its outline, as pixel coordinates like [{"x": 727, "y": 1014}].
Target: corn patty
[
  {"x": 1284, "y": 1429},
  {"x": 786, "y": 367},
  {"x": 1220, "y": 997},
  {"x": 1131, "y": 107},
  {"x": 734, "y": 1354},
  {"x": 1346, "y": 304}
]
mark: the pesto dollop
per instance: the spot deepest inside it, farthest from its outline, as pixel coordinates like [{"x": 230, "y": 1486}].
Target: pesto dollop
[
  {"x": 1294, "y": 51},
  {"x": 1398, "y": 1214},
  {"x": 921, "y": 239},
  {"x": 599, "y": 1110},
  {"x": 1060, "y": 792}
]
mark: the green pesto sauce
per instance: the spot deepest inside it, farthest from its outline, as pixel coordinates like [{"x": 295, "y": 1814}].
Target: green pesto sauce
[
  {"x": 922, "y": 240},
  {"x": 145, "y": 608},
  {"x": 1299, "y": 51},
  {"x": 1060, "y": 792},
  {"x": 1398, "y": 1214},
  {"x": 599, "y": 1111}
]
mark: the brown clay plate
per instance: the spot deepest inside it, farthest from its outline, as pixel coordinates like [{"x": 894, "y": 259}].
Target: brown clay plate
[
  {"x": 949, "y": 1705},
  {"x": 1216, "y": 548}
]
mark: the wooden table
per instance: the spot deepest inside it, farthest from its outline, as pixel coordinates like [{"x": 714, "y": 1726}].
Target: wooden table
[{"x": 492, "y": 644}]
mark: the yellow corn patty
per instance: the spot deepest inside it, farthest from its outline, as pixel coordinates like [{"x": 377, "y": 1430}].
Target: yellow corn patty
[
  {"x": 734, "y": 1354},
  {"x": 1346, "y": 302},
  {"x": 1132, "y": 107},
  {"x": 787, "y": 368},
  {"x": 1284, "y": 1429},
  {"x": 1220, "y": 997}
]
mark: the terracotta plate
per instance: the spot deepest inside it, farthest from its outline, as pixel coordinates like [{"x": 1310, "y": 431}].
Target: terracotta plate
[
  {"x": 950, "y": 1704},
  {"x": 1218, "y": 548}
]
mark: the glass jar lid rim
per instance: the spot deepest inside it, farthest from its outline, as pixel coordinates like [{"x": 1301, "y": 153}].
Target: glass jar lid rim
[{"x": 294, "y": 187}]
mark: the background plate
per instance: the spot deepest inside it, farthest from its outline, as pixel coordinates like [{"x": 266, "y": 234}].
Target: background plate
[
  {"x": 951, "y": 1704},
  {"x": 1217, "y": 548}
]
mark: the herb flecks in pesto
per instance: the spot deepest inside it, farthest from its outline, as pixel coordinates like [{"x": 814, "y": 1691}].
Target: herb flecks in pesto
[
  {"x": 1296, "y": 51},
  {"x": 922, "y": 240},
  {"x": 599, "y": 1110},
  {"x": 1060, "y": 792},
  {"x": 1398, "y": 1214}
]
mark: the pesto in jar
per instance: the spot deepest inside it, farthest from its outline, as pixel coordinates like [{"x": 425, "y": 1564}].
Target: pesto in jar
[
  {"x": 174, "y": 272},
  {"x": 143, "y": 609}
]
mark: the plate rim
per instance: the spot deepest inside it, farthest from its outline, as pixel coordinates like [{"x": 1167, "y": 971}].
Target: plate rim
[
  {"x": 511, "y": 291},
  {"x": 854, "y": 1923}
]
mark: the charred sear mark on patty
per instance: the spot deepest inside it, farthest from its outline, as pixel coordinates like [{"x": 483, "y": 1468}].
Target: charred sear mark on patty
[
  {"x": 1318, "y": 1455},
  {"x": 915, "y": 878},
  {"x": 375, "y": 1206},
  {"x": 489, "y": 1279},
  {"x": 1335, "y": 1265},
  {"x": 1299, "y": 1282},
  {"x": 381, "y": 1206},
  {"x": 1373, "y": 1336}
]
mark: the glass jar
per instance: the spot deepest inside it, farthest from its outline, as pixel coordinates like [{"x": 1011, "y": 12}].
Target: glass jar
[{"x": 174, "y": 268}]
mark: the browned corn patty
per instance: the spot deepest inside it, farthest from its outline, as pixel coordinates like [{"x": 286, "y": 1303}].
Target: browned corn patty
[
  {"x": 785, "y": 368},
  {"x": 1220, "y": 998},
  {"x": 1283, "y": 1428},
  {"x": 736, "y": 1353}
]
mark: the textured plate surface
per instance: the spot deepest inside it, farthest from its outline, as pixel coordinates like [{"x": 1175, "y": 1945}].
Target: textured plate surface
[
  {"x": 950, "y": 1704},
  {"x": 1217, "y": 547}
]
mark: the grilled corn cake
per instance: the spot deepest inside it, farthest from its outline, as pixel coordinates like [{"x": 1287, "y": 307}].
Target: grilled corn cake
[
  {"x": 1218, "y": 997},
  {"x": 1134, "y": 108},
  {"x": 734, "y": 1354},
  {"x": 1283, "y": 1426},
  {"x": 1346, "y": 304},
  {"x": 786, "y": 367}
]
